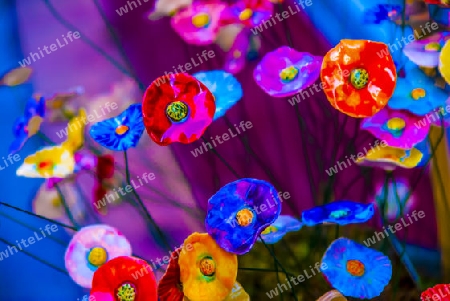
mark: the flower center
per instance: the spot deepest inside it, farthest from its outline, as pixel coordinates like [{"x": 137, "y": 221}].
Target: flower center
[
  {"x": 418, "y": 93},
  {"x": 97, "y": 256},
  {"x": 289, "y": 73},
  {"x": 339, "y": 213},
  {"x": 177, "y": 111},
  {"x": 200, "y": 20},
  {"x": 237, "y": 54},
  {"x": 433, "y": 46},
  {"x": 244, "y": 217},
  {"x": 122, "y": 129},
  {"x": 359, "y": 78},
  {"x": 396, "y": 124},
  {"x": 268, "y": 230},
  {"x": 57, "y": 104},
  {"x": 46, "y": 165},
  {"x": 126, "y": 292},
  {"x": 245, "y": 14},
  {"x": 355, "y": 267},
  {"x": 56, "y": 202},
  {"x": 207, "y": 266}
]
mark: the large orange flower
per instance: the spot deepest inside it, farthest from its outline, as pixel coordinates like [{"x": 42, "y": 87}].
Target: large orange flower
[
  {"x": 207, "y": 272},
  {"x": 358, "y": 77}
]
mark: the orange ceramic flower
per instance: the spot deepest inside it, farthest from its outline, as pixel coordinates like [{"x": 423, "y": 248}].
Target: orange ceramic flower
[
  {"x": 207, "y": 272},
  {"x": 358, "y": 77}
]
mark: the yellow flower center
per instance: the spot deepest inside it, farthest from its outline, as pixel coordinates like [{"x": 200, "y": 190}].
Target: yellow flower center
[
  {"x": 177, "y": 111},
  {"x": 237, "y": 54},
  {"x": 122, "y": 129},
  {"x": 268, "y": 230},
  {"x": 57, "y": 104},
  {"x": 244, "y": 217},
  {"x": 45, "y": 165},
  {"x": 396, "y": 124},
  {"x": 418, "y": 93},
  {"x": 207, "y": 266},
  {"x": 126, "y": 292},
  {"x": 289, "y": 73},
  {"x": 97, "y": 256},
  {"x": 433, "y": 46},
  {"x": 172, "y": 13},
  {"x": 359, "y": 78},
  {"x": 200, "y": 20},
  {"x": 245, "y": 14},
  {"x": 355, "y": 268},
  {"x": 56, "y": 202}
]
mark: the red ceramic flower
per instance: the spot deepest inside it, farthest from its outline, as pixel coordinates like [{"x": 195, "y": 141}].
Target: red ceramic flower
[
  {"x": 439, "y": 292},
  {"x": 177, "y": 108},
  {"x": 170, "y": 287},
  {"x": 124, "y": 278},
  {"x": 105, "y": 167},
  {"x": 358, "y": 77}
]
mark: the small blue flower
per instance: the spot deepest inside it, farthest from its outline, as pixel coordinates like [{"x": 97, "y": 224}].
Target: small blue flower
[
  {"x": 417, "y": 94},
  {"x": 121, "y": 132},
  {"x": 382, "y": 12},
  {"x": 338, "y": 212},
  {"x": 283, "y": 225},
  {"x": 224, "y": 86},
  {"x": 355, "y": 270}
]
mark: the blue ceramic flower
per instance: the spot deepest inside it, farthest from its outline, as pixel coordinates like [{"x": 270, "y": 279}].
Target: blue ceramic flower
[
  {"x": 239, "y": 212},
  {"x": 283, "y": 225},
  {"x": 26, "y": 125},
  {"x": 382, "y": 12},
  {"x": 121, "y": 132},
  {"x": 396, "y": 199},
  {"x": 417, "y": 94},
  {"x": 355, "y": 270},
  {"x": 338, "y": 212},
  {"x": 224, "y": 86}
]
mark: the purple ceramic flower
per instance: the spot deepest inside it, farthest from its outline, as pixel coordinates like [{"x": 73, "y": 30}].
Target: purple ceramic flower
[
  {"x": 236, "y": 56},
  {"x": 398, "y": 128},
  {"x": 426, "y": 52},
  {"x": 199, "y": 23},
  {"x": 239, "y": 212},
  {"x": 285, "y": 71},
  {"x": 250, "y": 13}
]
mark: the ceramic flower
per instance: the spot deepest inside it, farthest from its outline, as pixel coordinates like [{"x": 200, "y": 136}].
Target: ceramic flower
[
  {"x": 355, "y": 270},
  {"x": 236, "y": 57},
  {"x": 169, "y": 286},
  {"x": 250, "y": 13},
  {"x": 396, "y": 201},
  {"x": 124, "y": 278},
  {"x": 239, "y": 212},
  {"x": 397, "y": 128},
  {"x": 90, "y": 248},
  {"x": 358, "y": 77},
  {"x": 207, "y": 271},
  {"x": 199, "y": 23},
  {"x": 60, "y": 106},
  {"x": 332, "y": 295},
  {"x": 438, "y": 117},
  {"x": 439, "y": 292},
  {"x": 389, "y": 158},
  {"x": 280, "y": 227},
  {"x": 444, "y": 62},
  {"x": 121, "y": 132},
  {"x": 382, "y": 12},
  {"x": 284, "y": 71},
  {"x": 75, "y": 131},
  {"x": 49, "y": 162},
  {"x": 224, "y": 86},
  {"x": 426, "y": 52},
  {"x": 177, "y": 108},
  {"x": 338, "y": 212},
  {"x": 15, "y": 76},
  {"x": 444, "y": 3},
  {"x": 29, "y": 123},
  {"x": 167, "y": 8}
]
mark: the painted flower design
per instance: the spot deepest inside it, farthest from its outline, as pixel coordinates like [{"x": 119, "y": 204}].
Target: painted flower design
[
  {"x": 338, "y": 212},
  {"x": 236, "y": 56},
  {"x": 90, "y": 248},
  {"x": 389, "y": 158},
  {"x": 417, "y": 94},
  {"x": 358, "y": 77},
  {"x": 121, "y": 132},
  {"x": 170, "y": 287},
  {"x": 224, "y": 86},
  {"x": 398, "y": 128},
  {"x": 250, "y": 13},
  {"x": 29, "y": 123},
  {"x": 15, "y": 76},
  {"x": 60, "y": 106},
  {"x": 199, "y": 23},
  {"x": 177, "y": 108},
  {"x": 75, "y": 132},
  {"x": 124, "y": 278},
  {"x": 167, "y": 8},
  {"x": 439, "y": 292},
  {"x": 396, "y": 201},
  {"x": 280, "y": 227},
  {"x": 444, "y": 62},
  {"x": 207, "y": 272},
  {"x": 367, "y": 270},
  {"x": 332, "y": 295},
  {"x": 285, "y": 71},
  {"x": 426, "y": 52},
  {"x": 50, "y": 162},
  {"x": 239, "y": 212}
]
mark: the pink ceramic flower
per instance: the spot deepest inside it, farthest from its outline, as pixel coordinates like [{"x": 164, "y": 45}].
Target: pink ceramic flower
[
  {"x": 249, "y": 13},
  {"x": 398, "y": 128},
  {"x": 426, "y": 52},
  {"x": 236, "y": 56},
  {"x": 199, "y": 23}
]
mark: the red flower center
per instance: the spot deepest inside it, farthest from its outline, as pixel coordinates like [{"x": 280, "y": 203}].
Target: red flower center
[
  {"x": 355, "y": 268},
  {"x": 45, "y": 165}
]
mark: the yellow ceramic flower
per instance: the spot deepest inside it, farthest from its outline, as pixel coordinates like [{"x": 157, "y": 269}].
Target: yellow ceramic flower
[
  {"x": 237, "y": 294},
  {"x": 50, "y": 162},
  {"x": 207, "y": 272},
  {"x": 390, "y": 157},
  {"x": 75, "y": 131},
  {"x": 333, "y": 295},
  {"x": 444, "y": 62}
]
